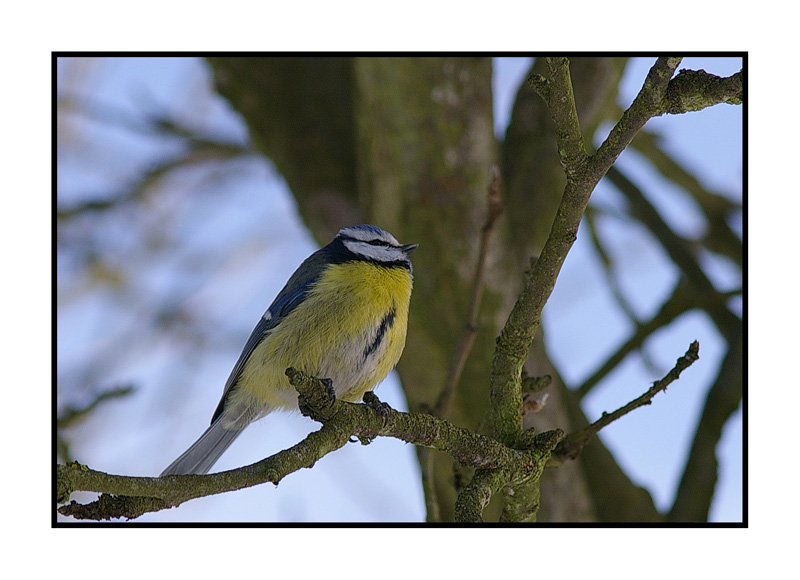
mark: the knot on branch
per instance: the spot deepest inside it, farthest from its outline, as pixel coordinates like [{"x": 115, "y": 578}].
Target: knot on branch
[
  {"x": 316, "y": 397},
  {"x": 543, "y": 443},
  {"x": 693, "y": 90}
]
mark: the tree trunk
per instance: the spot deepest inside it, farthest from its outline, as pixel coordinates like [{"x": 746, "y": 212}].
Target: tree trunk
[{"x": 408, "y": 144}]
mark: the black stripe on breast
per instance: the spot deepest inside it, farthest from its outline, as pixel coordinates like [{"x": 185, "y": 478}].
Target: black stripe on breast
[{"x": 386, "y": 324}]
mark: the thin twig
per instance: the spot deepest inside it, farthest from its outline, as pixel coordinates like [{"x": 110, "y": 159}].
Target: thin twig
[
  {"x": 71, "y": 416},
  {"x": 697, "y": 486},
  {"x": 571, "y": 446},
  {"x": 494, "y": 209}
]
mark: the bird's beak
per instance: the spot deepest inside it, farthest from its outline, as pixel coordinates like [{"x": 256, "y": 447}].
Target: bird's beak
[{"x": 408, "y": 248}]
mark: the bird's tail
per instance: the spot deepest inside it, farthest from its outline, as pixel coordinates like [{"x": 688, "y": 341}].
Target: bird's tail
[{"x": 203, "y": 454}]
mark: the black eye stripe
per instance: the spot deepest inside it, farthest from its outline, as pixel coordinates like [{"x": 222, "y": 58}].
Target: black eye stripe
[{"x": 381, "y": 243}]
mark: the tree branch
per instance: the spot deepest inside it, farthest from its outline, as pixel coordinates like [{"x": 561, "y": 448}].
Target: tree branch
[
  {"x": 199, "y": 149},
  {"x": 681, "y": 300},
  {"x": 680, "y": 251},
  {"x": 583, "y": 173},
  {"x": 520, "y": 328},
  {"x": 645, "y": 106},
  {"x": 561, "y": 102},
  {"x": 130, "y": 497},
  {"x": 717, "y": 209}
]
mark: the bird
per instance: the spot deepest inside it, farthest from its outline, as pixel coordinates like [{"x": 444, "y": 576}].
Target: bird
[{"x": 341, "y": 316}]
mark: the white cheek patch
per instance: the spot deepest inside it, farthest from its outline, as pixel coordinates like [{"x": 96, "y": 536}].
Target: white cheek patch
[{"x": 377, "y": 253}]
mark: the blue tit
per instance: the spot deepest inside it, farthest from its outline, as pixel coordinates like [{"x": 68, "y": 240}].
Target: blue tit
[{"x": 342, "y": 316}]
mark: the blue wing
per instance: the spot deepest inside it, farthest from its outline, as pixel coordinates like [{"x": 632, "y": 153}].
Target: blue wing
[{"x": 286, "y": 301}]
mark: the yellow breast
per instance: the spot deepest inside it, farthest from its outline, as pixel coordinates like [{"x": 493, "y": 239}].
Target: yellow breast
[{"x": 351, "y": 328}]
